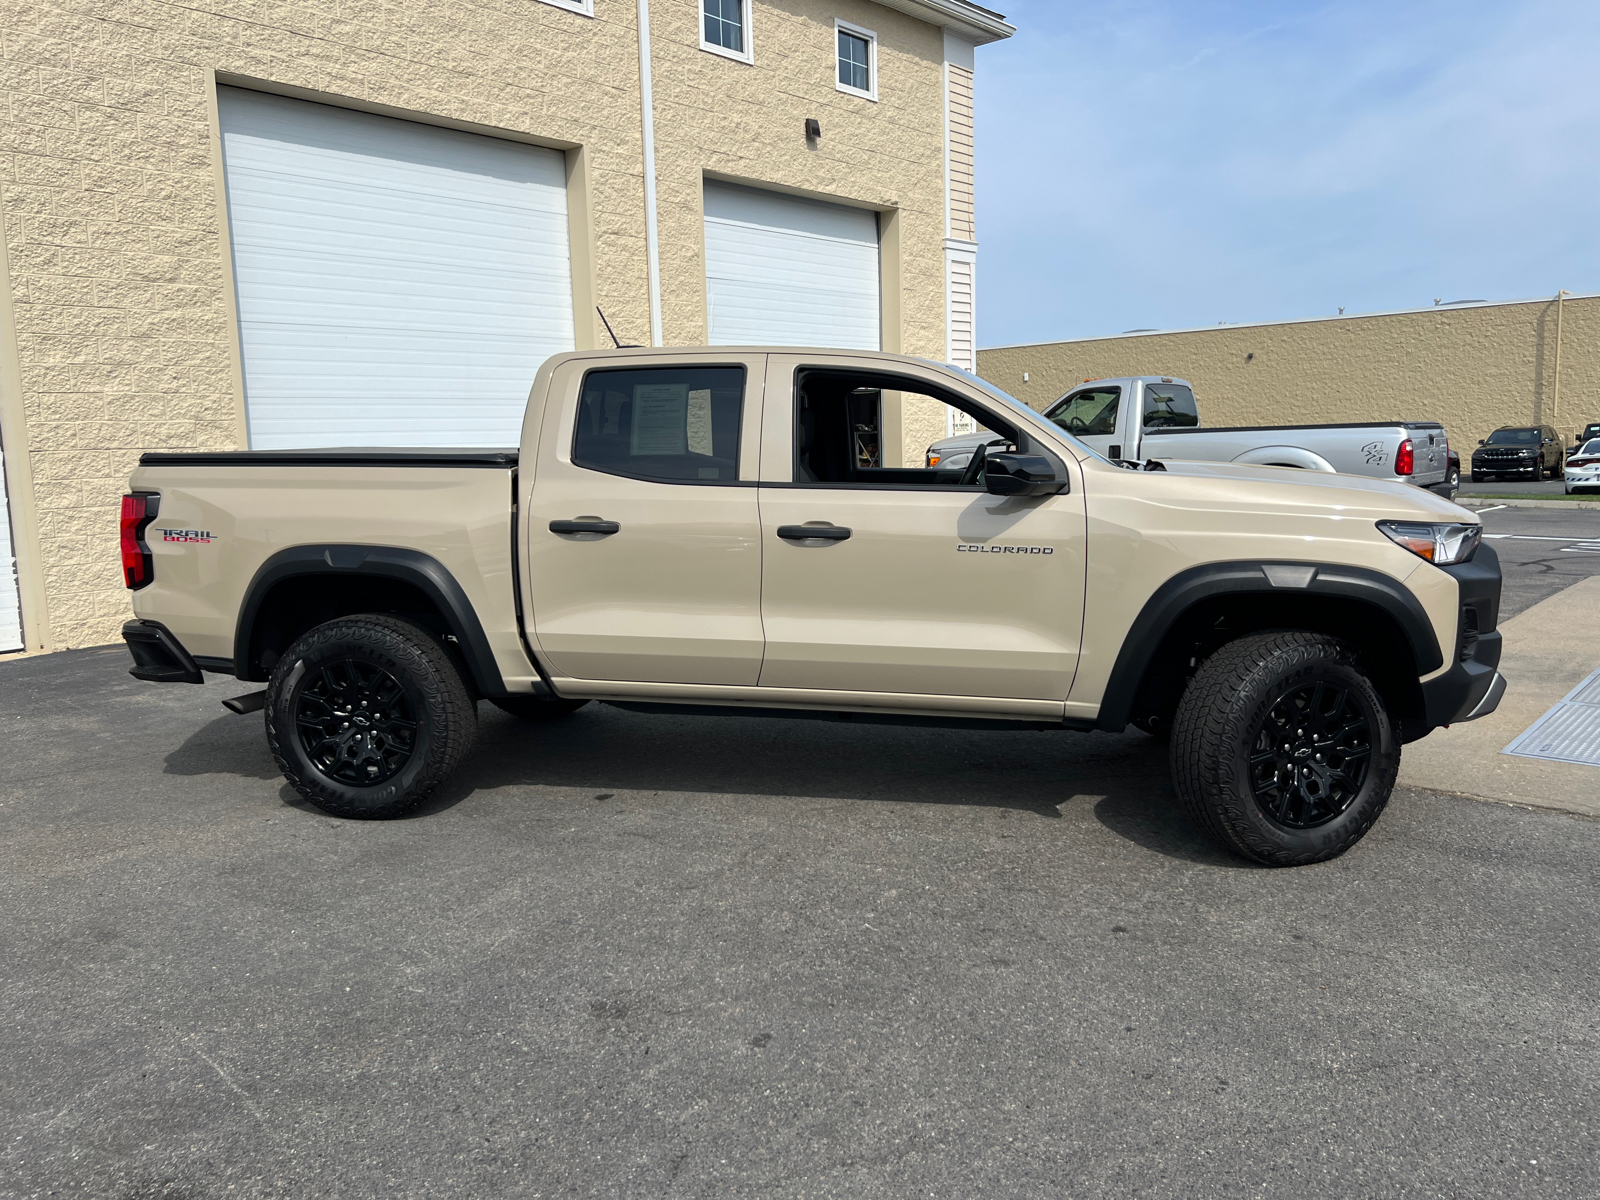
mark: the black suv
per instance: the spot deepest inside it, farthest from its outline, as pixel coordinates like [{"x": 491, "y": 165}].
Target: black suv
[
  {"x": 1590, "y": 431},
  {"x": 1533, "y": 451}
]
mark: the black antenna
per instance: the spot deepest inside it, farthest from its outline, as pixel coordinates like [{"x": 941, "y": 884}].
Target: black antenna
[
  {"x": 607, "y": 324},
  {"x": 614, "y": 342}
]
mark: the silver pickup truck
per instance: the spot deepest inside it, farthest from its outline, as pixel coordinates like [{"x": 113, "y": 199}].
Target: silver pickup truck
[{"x": 1149, "y": 416}]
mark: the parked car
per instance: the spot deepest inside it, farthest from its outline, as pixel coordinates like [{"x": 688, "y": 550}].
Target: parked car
[
  {"x": 1590, "y": 432},
  {"x": 1583, "y": 468},
  {"x": 1148, "y": 416},
  {"x": 1518, "y": 451},
  {"x": 694, "y": 528}
]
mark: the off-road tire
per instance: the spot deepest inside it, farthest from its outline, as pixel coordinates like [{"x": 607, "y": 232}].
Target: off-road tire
[
  {"x": 431, "y": 692},
  {"x": 1227, "y": 705},
  {"x": 536, "y": 708}
]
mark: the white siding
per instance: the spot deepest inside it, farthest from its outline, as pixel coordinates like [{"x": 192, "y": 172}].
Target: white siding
[
  {"x": 399, "y": 284},
  {"x": 786, "y": 271},
  {"x": 10, "y": 605},
  {"x": 959, "y": 270}
]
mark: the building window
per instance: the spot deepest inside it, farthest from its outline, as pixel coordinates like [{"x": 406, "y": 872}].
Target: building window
[
  {"x": 586, "y": 7},
  {"x": 858, "y": 60},
  {"x": 725, "y": 28}
]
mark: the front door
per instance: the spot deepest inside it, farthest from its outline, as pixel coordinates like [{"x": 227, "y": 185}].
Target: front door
[
  {"x": 908, "y": 580},
  {"x": 642, "y": 530}
]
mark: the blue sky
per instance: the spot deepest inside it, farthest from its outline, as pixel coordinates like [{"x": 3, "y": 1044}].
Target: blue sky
[{"x": 1174, "y": 163}]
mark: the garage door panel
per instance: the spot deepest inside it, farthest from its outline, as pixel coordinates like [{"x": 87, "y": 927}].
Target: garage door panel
[
  {"x": 784, "y": 270},
  {"x": 398, "y": 284}
]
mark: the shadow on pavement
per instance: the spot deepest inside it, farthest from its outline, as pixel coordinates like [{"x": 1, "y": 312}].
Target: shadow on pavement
[{"x": 1122, "y": 779}]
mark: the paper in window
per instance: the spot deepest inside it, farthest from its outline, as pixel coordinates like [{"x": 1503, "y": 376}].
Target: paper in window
[
  {"x": 699, "y": 422},
  {"x": 660, "y": 419}
]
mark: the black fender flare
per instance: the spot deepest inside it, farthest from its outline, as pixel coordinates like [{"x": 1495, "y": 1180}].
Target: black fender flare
[
  {"x": 422, "y": 571},
  {"x": 1187, "y": 588}
]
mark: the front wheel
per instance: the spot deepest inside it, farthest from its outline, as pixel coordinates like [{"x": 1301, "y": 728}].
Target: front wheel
[
  {"x": 367, "y": 715},
  {"x": 1282, "y": 750},
  {"x": 1538, "y": 472}
]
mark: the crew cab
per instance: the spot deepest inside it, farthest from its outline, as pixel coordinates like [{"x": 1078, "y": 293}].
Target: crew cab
[
  {"x": 713, "y": 529},
  {"x": 1147, "y": 416}
]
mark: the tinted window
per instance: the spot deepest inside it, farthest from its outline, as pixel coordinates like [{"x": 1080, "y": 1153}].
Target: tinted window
[
  {"x": 675, "y": 424},
  {"x": 1092, "y": 411},
  {"x": 1514, "y": 437},
  {"x": 1169, "y": 406},
  {"x": 1591, "y": 447}
]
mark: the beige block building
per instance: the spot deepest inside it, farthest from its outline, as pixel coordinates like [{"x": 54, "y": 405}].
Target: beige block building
[
  {"x": 1473, "y": 367},
  {"x": 266, "y": 224}
]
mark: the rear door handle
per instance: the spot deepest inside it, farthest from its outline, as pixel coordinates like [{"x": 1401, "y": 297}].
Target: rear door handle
[
  {"x": 584, "y": 527},
  {"x": 804, "y": 533}
]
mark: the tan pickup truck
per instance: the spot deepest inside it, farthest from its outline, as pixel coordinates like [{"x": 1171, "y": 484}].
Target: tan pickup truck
[{"x": 729, "y": 529}]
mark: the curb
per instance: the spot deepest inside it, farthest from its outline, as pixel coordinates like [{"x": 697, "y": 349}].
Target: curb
[{"x": 1489, "y": 502}]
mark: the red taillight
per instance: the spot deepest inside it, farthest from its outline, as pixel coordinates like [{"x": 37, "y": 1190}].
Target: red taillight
[
  {"x": 138, "y": 511},
  {"x": 1404, "y": 459}
]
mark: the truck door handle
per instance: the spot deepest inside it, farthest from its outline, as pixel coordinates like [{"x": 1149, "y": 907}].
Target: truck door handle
[
  {"x": 584, "y": 527},
  {"x": 803, "y": 533}
]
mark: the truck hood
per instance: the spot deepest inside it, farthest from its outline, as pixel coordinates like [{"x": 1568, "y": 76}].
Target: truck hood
[{"x": 1296, "y": 488}]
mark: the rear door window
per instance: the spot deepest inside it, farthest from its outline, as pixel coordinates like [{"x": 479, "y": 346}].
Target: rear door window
[
  {"x": 670, "y": 424},
  {"x": 1169, "y": 406}
]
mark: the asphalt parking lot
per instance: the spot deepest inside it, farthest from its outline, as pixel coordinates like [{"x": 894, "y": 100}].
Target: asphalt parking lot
[{"x": 629, "y": 955}]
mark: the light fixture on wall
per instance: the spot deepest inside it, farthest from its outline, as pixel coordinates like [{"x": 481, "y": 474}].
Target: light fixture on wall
[{"x": 813, "y": 129}]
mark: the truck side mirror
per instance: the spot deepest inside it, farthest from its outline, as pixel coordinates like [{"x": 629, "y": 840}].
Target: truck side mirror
[
  {"x": 1010, "y": 474},
  {"x": 1483, "y": 443}
]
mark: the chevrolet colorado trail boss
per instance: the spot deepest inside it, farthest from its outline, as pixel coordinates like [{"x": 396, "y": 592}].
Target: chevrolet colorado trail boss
[{"x": 708, "y": 528}]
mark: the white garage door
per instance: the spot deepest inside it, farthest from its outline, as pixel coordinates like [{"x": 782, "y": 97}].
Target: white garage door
[
  {"x": 10, "y": 608},
  {"x": 784, "y": 271},
  {"x": 398, "y": 284}
]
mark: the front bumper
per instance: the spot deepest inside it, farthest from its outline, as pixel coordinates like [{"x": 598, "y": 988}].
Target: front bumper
[
  {"x": 1505, "y": 466},
  {"x": 1473, "y": 685}
]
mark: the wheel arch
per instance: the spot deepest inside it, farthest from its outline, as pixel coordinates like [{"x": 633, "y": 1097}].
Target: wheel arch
[
  {"x": 304, "y": 586},
  {"x": 1285, "y": 456},
  {"x": 1203, "y": 607}
]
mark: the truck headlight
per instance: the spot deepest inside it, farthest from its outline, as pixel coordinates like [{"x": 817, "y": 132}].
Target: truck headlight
[{"x": 1439, "y": 544}]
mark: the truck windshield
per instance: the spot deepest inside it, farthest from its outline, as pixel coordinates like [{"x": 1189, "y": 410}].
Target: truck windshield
[
  {"x": 1514, "y": 437},
  {"x": 1091, "y": 411},
  {"x": 1169, "y": 406},
  {"x": 1027, "y": 414}
]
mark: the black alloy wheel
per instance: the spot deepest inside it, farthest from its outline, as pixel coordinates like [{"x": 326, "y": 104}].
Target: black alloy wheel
[
  {"x": 355, "y": 722},
  {"x": 1310, "y": 755},
  {"x": 1282, "y": 749},
  {"x": 367, "y": 715}
]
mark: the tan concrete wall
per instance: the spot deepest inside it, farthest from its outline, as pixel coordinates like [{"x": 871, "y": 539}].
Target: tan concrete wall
[
  {"x": 120, "y": 284},
  {"x": 1472, "y": 368}
]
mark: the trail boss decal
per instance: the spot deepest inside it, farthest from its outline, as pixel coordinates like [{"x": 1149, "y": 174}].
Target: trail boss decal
[
  {"x": 185, "y": 535},
  {"x": 972, "y": 548}
]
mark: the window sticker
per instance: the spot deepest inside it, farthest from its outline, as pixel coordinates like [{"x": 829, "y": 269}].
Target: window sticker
[
  {"x": 660, "y": 418},
  {"x": 699, "y": 424}
]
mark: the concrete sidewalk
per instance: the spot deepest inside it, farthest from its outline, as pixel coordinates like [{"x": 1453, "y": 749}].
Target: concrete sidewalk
[{"x": 1548, "y": 650}]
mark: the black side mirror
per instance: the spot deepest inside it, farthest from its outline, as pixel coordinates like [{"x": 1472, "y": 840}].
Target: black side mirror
[
  {"x": 1010, "y": 474},
  {"x": 1483, "y": 443}
]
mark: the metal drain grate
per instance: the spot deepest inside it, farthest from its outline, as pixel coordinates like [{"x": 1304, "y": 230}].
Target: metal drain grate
[{"x": 1569, "y": 732}]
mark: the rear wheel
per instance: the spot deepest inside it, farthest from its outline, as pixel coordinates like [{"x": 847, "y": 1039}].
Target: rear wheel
[
  {"x": 367, "y": 715},
  {"x": 1282, "y": 750},
  {"x": 1452, "y": 483}
]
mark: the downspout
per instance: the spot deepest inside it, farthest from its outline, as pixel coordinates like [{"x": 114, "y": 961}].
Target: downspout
[
  {"x": 1555, "y": 400},
  {"x": 651, "y": 240}
]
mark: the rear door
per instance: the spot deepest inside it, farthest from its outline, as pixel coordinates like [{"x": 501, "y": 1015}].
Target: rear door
[
  {"x": 642, "y": 528},
  {"x": 905, "y": 580}
]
